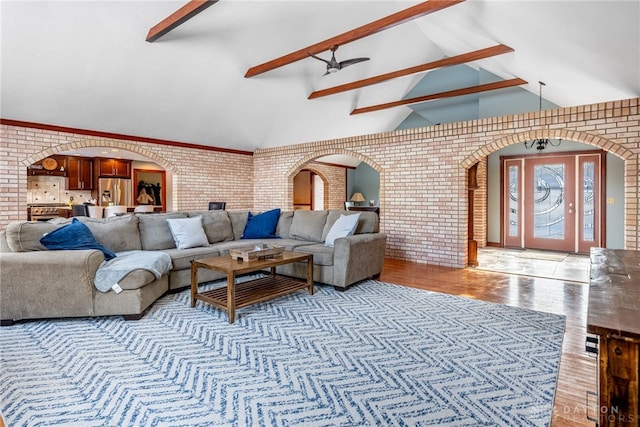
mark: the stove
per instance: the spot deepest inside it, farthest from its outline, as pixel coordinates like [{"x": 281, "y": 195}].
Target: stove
[{"x": 44, "y": 212}]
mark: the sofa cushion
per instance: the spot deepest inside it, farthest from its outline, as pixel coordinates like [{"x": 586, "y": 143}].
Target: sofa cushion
[
  {"x": 238, "y": 221},
  {"x": 118, "y": 233},
  {"x": 368, "y": 222},
  {"x": 188, "y": 232},
  {"x": 262, "y": 225},
  {"x": 284, "y": 225},
  {"x": 74, "y": 236},
  {"x": 154, "y": 231},
  {"x": 322, "y": 255},
  {"x": 217, "y": 225},
  {"x": 181, "y": 258},
  {"x": 136, "y": 279},
  {"x": 308, "y": 225},
  {"x": 24, "y": 236},
  {"x": 343, "y": 227}
]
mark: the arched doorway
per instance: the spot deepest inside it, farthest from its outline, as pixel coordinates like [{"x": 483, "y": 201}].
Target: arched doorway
[
  {"x": 493, "y": 184},
  {"x": 336, "y": 178},
  {"x": 308, "y": 191},
  {"x": 80, "y": 170}
]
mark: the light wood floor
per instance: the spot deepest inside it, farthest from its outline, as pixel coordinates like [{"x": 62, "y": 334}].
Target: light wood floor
[{"x": 577, "y": 369}]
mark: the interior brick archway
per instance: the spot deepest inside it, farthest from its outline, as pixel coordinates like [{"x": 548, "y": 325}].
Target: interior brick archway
[
  {"x": 96, "y": 143},
  {"x": 335, "y": 184},
  {"x": 480, "y": 156}
]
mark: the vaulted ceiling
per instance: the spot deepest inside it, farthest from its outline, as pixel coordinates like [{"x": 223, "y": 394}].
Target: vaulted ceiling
[{"x": 86, "y": 64}]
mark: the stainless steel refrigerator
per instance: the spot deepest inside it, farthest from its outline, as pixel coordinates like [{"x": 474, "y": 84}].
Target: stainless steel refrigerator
[{"x": 117, "y": 191}]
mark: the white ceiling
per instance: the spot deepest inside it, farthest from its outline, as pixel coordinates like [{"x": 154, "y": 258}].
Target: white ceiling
[{"x": 86, "y": 64}]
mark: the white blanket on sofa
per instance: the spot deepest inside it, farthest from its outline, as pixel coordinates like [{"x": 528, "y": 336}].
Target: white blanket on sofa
[{"x": 111, "y": 272}]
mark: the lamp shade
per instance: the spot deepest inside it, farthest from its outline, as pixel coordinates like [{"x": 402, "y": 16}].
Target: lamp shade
[{"x": 357, "y": 197}]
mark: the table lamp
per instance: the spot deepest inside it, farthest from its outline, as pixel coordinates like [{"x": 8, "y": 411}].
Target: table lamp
[{"x": 357, "y": 197}]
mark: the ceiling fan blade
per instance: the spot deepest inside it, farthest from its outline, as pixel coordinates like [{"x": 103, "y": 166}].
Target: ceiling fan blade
[
  {"x": 320, "y": 59},
  {"x": 348, "y": 62}
]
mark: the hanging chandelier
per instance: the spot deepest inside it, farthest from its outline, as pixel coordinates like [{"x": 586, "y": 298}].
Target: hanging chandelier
[{"x": 541, "y": 143}]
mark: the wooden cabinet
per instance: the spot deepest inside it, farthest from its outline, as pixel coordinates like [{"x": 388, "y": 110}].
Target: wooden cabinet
[
  {"x": 117, "y": 168},
  {"x": 80, "y": 173},
  {"x": 375, "y": 209},
  {"x": 614, "y": 316}
]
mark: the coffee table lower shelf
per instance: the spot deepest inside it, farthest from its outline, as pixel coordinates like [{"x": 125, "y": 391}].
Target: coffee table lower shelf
[{"x": 253, "y": 291}]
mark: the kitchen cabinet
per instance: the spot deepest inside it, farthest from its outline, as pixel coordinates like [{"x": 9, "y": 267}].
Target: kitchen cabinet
[
  {"x": 80, "y": 173},
  {"x": 116, "y": 168},
  {"x": 613, "y": 313}
]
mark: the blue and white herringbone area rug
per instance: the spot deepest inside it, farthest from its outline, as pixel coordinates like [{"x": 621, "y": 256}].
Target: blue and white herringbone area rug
[{"x": 375, "y": 355}]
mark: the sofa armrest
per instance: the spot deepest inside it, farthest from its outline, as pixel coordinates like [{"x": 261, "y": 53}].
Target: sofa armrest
[
  {"x": 43, "y": 284},
  {"x": 358, "y": 257}
]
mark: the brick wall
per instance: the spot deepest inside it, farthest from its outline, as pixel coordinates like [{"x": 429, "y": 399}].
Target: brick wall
[
  {"x": 423, "y": 179},
  {"x": 196, "y": 176}
]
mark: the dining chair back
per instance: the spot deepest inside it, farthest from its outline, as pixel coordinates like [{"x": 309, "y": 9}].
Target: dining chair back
[
  {"x": 79, "y": 210},
  {"x": 110, "y": 211}
]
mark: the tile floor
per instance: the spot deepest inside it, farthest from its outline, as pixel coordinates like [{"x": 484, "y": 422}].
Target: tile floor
[{"x": 548, "y": 264}]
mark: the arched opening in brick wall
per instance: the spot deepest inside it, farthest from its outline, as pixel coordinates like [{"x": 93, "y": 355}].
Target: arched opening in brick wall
[
  {"x": 84, "y": 147},
  {"x": 481, "y": 214},
  {"x": 324, "y": 189},
  {"x": 335, "y": 187}
]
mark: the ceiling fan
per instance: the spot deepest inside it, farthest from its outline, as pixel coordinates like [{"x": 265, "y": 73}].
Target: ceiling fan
[{"x": 334, "y": 66}]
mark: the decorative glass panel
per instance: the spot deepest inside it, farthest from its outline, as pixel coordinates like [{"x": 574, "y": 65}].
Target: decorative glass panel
[
  {"x": 588, "y": 207},
  {"x": 513, "y": 200},
  {"x": 548, "y": 200}
]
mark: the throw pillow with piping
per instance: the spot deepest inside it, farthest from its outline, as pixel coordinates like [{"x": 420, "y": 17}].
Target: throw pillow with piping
[{"x": 74, "y": 236}]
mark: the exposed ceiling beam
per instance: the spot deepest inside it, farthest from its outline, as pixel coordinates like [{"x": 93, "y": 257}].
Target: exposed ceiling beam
[
  {"x": 448, "y": 94},
  {"x": 445, "y": 62},
  {"x": 178, "y": 17},
  {"x": 355, "y": 34}
]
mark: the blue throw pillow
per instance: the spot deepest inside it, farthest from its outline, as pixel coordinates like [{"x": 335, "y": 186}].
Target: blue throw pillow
[
  {"x": 74, "y": 236},
  {"x": 262, "y": 226}
]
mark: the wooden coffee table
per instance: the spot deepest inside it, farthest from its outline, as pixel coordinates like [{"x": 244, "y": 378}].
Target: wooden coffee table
[{"x": 238, "y": 295}]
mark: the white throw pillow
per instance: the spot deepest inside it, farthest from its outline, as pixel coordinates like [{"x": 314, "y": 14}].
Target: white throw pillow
[
  {"x": 188, "y": 232},
  {"x": 343, "y": 227}
]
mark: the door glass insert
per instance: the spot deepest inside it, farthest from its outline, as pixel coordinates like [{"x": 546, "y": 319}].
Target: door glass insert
[
  {"x": 513, "y": 201},
  {"x": 588, "y": 206},
  {"x": 548, "y": 198}
]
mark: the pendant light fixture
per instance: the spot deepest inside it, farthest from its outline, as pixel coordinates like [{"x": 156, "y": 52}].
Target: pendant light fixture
[{"x": 541, "y": 144}]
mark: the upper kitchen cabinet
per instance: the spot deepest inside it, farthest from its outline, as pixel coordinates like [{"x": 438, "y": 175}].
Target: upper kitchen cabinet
[
  {"x": 80, "y": 173},
  {"x": 116, "y": 168}
]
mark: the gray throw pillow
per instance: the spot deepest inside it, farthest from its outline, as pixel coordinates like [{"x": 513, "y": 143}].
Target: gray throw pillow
[{"x": 188, "y": 232}]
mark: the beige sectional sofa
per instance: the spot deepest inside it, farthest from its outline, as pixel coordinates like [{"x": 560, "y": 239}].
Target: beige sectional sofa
[{"x": 40, "y": 283}]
